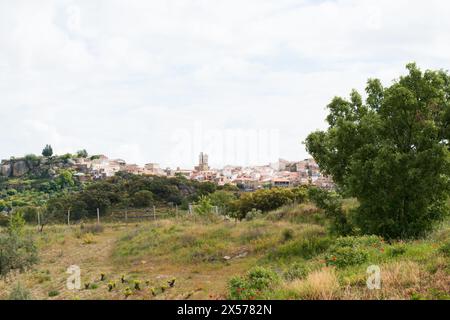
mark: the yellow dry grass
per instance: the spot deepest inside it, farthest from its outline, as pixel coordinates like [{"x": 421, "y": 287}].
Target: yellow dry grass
[{"x": 319, "y": 285}]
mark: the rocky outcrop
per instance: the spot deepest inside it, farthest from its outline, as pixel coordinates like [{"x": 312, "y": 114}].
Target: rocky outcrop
[
  {"x": 5, "y": 169},
  {"x": 14, "y": 168},
  {"x": 20, "y": 168}
]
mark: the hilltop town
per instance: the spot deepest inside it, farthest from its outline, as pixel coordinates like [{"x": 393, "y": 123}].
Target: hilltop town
[{"x": 282, "y": 173}]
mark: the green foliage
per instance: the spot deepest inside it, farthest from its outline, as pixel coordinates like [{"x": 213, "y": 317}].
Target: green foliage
[
  {"x": 4, "y": 220},
  {"x": 141, "y": 199},
  {"x": 53, "y": 293},
  {"x": 349, "y": 251},
  {"x": 223, "y": 200},
  {"x": 82, "y": 153},
  {"x": 391, "y": 152},
  {"x": 306, "y": 248},
  {"x": 16, "y": 253},
  {"x": 331, "y": 203},
  {"x": 65, "y": 179},
  {"x": 253, "y": 214},
  {"x": 396, "y": 250},
  {"x": 445, "y": 249},
  {"x": 295, "y": 271},
  {"x": 19, "y": 292},
  {"x": 29, "y": 213},
  {"x": 48, "y": 151},
  {"x": 204, "y": 206},
  {"x": 16, "y": 224},
  {"x": 252, "y": 285},
  {"x": 287, "y": 234},
  {"x": 342, "y": 257},
  {"x": 267, "y": 199},
  {"x": 32, "y": 160}
]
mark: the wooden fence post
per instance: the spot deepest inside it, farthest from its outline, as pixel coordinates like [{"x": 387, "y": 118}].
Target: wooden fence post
[
  {"x": 68, "y": 217},
  {"x": 98, "y": 216}
]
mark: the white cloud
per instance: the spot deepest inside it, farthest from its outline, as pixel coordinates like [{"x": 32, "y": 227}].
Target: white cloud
[{"x": 115, "y": 76}]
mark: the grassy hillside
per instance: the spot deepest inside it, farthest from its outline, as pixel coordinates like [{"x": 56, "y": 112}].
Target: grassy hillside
[{"x": 210, "y": 258}]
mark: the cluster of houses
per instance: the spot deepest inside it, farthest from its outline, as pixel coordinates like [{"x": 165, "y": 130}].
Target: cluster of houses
[{"x": 279, "y": 174}]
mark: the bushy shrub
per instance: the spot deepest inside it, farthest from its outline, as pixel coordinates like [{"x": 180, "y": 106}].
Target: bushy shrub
[
  {"x": 305, "y": 248},
  {"x": 349, "y": 251},
  {"x": 4, "y": 220},
  {"x": 143, "y": 198},
  {"x": 342, "y": 257},
  {"x": 295, "y": 271},
  {"x": 396, "y": 250},
  {"x": 354, "y": 242},
  {"x": 331, "y": 203},
  {"x": 252, "y": 285},
  {"x": 53, "y": 293},
  {"x": 265, "y": 200},
  {"x": 445, "y": 249},
  {"x": 17, "y": 252},
  {"x": 253, "y": 214},
  {"x": 19, "y": 292},
  {"x": 287, "y": 234}
]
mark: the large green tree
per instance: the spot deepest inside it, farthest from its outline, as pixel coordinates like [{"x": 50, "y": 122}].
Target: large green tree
[{"x": 391, "y": 152}]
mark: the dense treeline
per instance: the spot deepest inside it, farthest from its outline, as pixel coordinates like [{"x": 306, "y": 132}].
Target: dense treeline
[{"x": 128, "y": 191}]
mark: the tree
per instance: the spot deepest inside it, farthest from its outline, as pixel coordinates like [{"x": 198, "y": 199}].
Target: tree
[
  {"x": 65, "y": 179},
  {"x": 141, "y": 199},
  {"x": 222, "y": 199},
  {"x": 203, "y": 207},
  {"x": 82, "y": 154},
  {"x": 391, "y": 152},
  {"x": 48, "y": 151},
  {"x": 17, "y": 252}
]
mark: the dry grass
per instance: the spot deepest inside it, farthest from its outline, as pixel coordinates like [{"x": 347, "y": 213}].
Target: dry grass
[{"x": 319, "y": 285}]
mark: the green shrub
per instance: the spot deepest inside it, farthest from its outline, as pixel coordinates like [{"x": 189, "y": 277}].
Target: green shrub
[
  {"x": 305, "y": 248},
  {"x": 252, "y": 285},
  {"x": 17, "y": 252},
  {"x": 396, "y": 250},
  {"x": 296, "y": 271},
  {"x": 288, "y": 234},
  {"x": 366, "y": 241},
  {"x": 19, "y": 293},
  {"x": 342, "y": 257},
  {"x": 445, "y": 249},
  {"x": 4, "y": 220},
  {"x": 53, "y": 293},
  {"x": 349, "y": 251},
  {"x": 252, "y": 215}
]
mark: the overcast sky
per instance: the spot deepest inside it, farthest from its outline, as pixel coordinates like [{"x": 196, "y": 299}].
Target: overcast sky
[{"x": 160, "y": 81}]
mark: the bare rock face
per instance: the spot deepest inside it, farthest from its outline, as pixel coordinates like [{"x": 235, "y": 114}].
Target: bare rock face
[
  {"x": 5, "y": 169},
  {"x": 19, "y": 168}
]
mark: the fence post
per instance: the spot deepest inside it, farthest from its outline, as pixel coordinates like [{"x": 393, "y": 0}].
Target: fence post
[
  {"x": 68, "y": 217},
  {"x": 98, "y": 216},
  {"x": 126, "y": 216}
]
